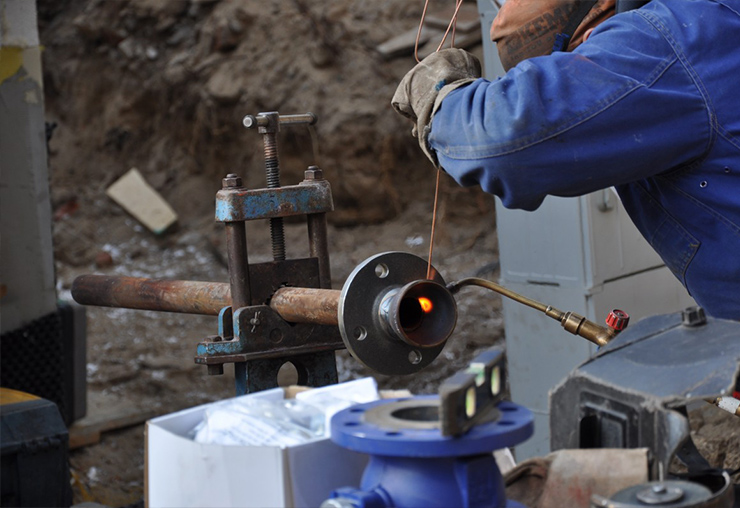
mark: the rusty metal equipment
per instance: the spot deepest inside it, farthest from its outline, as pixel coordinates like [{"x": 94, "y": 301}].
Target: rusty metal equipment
[
  {"x": 390, "y": 318},
  {"x": 251, "y": 334},
  {"x": 285, "y": 310},
  {"x": 188, "y": 297},
  {"x": 235, "y": 204}
]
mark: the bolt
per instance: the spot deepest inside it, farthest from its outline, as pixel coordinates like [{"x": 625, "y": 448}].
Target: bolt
[
  {"x": 660, "y": 494},
  {"x": 313, "y": 173},
  {"x": 693, "y": 316},
  {"x": 659, "y": 489},
  {"x": 231, "y": 180},
  {"x": 255, "y": 321}
]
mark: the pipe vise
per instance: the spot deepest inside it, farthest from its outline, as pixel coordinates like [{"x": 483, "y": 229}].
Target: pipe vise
[{"x": 388, "y": 314}]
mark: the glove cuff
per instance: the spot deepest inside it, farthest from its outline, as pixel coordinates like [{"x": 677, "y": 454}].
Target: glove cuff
[{"x": 423, "y": 131}]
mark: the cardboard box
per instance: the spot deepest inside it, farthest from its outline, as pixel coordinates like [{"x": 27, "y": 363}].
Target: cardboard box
[{"x": 183, "y": 473}]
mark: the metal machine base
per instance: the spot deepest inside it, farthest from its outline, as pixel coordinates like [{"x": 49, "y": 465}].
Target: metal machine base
[{"x": 632, "y": 394}]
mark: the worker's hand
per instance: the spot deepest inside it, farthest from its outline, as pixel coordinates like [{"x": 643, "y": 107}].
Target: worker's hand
[{"x": 421, "y": 91}]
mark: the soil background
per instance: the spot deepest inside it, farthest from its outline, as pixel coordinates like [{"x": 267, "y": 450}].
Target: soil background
[{"x": 162, "y": 85}]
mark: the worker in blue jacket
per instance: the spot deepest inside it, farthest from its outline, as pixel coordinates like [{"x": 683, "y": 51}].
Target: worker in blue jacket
[{"x": 647, "y": 101}]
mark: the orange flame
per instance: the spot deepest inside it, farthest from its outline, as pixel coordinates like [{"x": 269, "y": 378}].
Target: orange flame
[{"x": 426, "y": 304}]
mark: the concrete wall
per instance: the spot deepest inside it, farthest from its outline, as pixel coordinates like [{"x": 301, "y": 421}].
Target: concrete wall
[{"x": 26, "y": 255}]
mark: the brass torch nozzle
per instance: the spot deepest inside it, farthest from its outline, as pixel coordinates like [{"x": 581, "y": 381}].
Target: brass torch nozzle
[
  {"x": 579, "y": 325},
  {"x": 576, "y": 324}
]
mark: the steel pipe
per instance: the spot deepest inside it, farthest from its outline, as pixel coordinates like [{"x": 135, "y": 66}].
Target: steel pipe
[
  {"x": 306, "y": 305},
  {"x": 382, "y": 317},
  {"x": 190, "y": 297},
  {"x": 295, "y": 305}
]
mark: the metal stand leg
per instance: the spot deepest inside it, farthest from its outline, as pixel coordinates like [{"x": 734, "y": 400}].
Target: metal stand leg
[{"x": 316, "y": 369}]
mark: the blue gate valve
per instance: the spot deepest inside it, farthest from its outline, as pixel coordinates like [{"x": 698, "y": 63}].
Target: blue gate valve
[{"x": 413, "y": 465}]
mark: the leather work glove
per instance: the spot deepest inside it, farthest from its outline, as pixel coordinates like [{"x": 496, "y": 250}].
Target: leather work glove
[{"x": 422, "y": 90}]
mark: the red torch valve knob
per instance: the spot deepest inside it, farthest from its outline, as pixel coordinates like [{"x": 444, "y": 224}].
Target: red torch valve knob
[{"x": 617, "y": 320}]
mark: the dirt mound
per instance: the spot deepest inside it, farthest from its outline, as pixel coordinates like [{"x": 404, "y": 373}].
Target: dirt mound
[{"x": 162, "y": 85}]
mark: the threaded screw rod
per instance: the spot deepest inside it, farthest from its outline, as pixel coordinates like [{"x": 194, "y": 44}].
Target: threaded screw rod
[{"x": 272, "y": 173}]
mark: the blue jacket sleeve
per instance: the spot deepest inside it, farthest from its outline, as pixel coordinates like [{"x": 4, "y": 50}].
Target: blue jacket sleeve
[{"x": 622, "y": 107}]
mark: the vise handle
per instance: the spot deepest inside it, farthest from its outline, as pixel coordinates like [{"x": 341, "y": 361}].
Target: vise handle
[{"x": 264, "y": 120}]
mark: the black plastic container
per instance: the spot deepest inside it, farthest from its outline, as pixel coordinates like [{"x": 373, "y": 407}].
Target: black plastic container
[{"x": 33, "y": 453}]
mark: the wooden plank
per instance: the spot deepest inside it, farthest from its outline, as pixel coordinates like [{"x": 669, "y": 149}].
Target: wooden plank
[
  {"x": 142, "y": 201},
  {"x": 88, "y": 430}
]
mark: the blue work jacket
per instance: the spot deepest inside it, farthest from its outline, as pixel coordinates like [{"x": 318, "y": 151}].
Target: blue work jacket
[{"x": 649, "y": 104}]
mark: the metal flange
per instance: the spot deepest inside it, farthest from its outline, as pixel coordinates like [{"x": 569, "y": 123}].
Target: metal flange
[
  {"x": 411, "y": 428},
  {"x": 392, "y": 318}
]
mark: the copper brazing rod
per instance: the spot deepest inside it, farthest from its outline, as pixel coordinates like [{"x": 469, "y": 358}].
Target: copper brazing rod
[{"x": 295, "y": 305}]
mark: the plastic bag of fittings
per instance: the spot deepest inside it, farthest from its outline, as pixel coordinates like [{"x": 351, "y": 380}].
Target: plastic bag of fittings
[
  {"x": 256, "y": 421},
  {"x": 333, "y": 398}
]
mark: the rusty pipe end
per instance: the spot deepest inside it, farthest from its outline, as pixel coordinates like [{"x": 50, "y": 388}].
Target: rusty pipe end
[
  {"x": 422, "y": 313},
  {"x": 88, "y": 290},
  {"x": 191, "y": 297}
]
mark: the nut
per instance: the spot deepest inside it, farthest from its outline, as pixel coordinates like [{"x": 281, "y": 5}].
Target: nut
[
  {"x": 693, "y": 316},
  {"x": 313, "y": 173},
  {"x": 231, "y": 180}
]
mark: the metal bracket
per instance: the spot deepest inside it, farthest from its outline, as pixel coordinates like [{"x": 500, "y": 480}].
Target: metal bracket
[
  {"x": 256, "y": 331},
  {"x": 308, "y": 197},
  {"x": 272, "y": 337}
]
